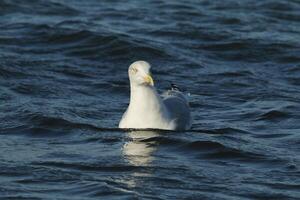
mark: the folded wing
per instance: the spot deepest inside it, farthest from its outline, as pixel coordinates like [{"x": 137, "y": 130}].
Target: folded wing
[{"x": 178, "y": 107}]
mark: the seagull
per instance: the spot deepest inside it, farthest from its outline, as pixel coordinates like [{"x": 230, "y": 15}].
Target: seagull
[{"x": 147, "y": 109}]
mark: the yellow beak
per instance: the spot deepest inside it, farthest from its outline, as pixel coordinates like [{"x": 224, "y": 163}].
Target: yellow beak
[{"x": 148, "y": 79}]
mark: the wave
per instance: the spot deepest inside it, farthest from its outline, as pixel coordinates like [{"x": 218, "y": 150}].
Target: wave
[
  {"x": 273, "y": 115},
  {"x": 37, "y": 7},
  {"x": 11, "y": 73},
  {"x": 64, "y": 86},
  {"x": 88, "y": 167},
  {"x": 83, "y": 44}
]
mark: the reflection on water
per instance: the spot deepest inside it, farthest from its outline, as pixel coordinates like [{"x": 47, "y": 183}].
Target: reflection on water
[{"x": 137, "y": 150}]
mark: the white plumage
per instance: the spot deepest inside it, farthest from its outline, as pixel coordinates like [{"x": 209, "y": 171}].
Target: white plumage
[{"x": 147, "y": 109}]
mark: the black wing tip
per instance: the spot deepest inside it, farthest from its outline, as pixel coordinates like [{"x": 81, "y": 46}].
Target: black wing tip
[{"x": 174, "y": 87}]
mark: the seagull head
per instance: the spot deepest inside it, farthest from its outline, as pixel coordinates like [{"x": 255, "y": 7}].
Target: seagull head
[{"x": 140, "y": 74}]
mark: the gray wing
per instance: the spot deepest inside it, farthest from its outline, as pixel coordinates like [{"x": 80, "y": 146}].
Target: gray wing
[{"x": 178, "y": 107}]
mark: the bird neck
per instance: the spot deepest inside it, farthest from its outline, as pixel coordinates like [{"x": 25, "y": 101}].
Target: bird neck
[{"x": 145, "y": 98}]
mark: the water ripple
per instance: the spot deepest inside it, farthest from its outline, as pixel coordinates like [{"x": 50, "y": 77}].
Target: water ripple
[{"x": 64, "y": 85}]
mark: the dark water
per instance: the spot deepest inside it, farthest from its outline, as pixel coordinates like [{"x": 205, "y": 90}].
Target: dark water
[{"x": 64, "y": 87}]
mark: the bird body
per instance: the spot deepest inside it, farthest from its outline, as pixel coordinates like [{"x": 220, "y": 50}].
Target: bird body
[{"x": 149, "y": 110}]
